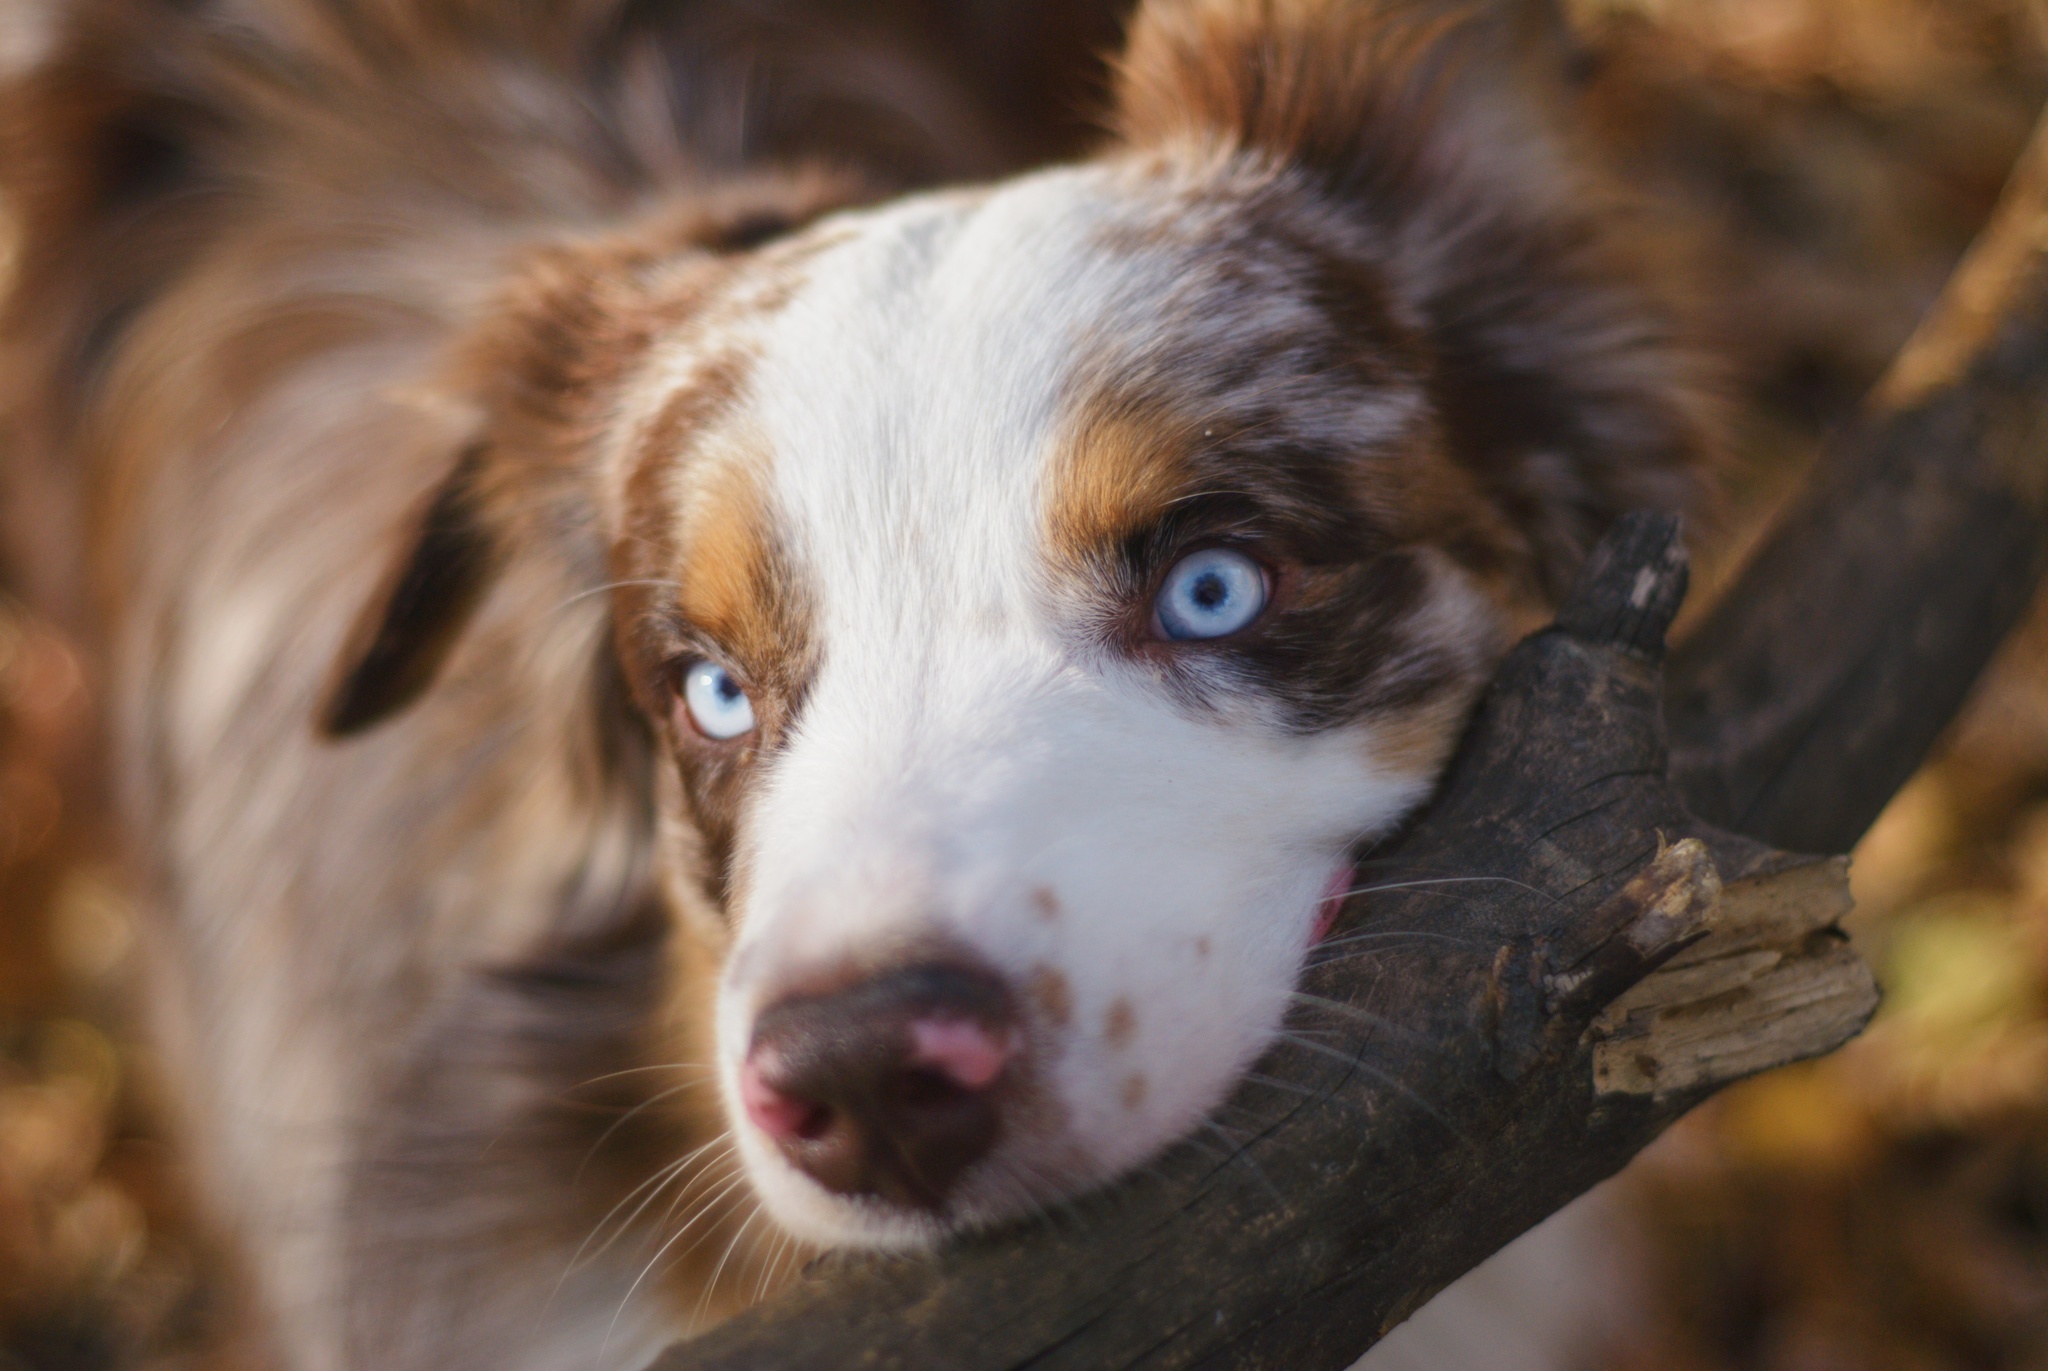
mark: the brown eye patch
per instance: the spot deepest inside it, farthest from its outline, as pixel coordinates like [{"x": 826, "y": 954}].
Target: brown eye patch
[
  {"x": 1367, "y": 612},
  {"x": 704, "y": 575},
  {"x": 1355, "y": 639},
  {"x": 1352, "y": 634}
]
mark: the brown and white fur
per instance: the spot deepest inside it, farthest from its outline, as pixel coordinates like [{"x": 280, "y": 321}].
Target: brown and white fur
[{"x": 440, "y": 381}]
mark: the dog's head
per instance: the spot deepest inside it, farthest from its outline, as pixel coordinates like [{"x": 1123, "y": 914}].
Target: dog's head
[{"x": 1039, "y": 592}]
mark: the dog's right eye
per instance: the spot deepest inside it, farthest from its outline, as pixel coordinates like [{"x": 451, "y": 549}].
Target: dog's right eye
[
  {"x": 1211, "y": 594},
  {"x": 716, "y": 705}
]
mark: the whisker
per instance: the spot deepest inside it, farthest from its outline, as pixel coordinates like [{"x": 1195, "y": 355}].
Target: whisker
[
  {"x": 576, "y": 1258},
  {"x": 707, "y": 1175},
  {"x": 1291, "y": 1087},
  {"x": 1240, "y": 1154},
  {"x": 622, "y": 1121},
  {"x": 1383, "y": 934},
  {"x": 1537, "y": 891},
  {"x": 660, "y": 1180},
  {"x": 640, "y": 1070},
  {"x": 1363, "y": 1112},
  {"x": 1012, "y": 1195},
  {"x": 1358, "y": 1015},
  {"x": 770, "y": 1266},
  {"x": 632, "y": 1289},
  {"x": 608, "y": 587},
  {"x": 1210, "y": 494},
  {"x": 1201, "y": 1144},
  {"x": 718, "y": 1271},
  {"x": 1050, "y": 1197},
  {"x": 1352, "y": 1059}
]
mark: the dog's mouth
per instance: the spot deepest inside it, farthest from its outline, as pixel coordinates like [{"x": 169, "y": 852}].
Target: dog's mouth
[{"x": 938, "y": 1094}]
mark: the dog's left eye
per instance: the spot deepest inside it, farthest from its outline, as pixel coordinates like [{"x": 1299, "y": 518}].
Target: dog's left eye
[
  {"x": 1210, "y": 594},
  {"x": 717, "y": 707}
]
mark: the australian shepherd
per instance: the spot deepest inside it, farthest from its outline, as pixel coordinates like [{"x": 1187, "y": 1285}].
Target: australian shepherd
[{"x": 699, "y": 662}]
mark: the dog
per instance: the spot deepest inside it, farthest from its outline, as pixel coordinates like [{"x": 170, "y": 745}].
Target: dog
[{"x": 700, "y": 667}]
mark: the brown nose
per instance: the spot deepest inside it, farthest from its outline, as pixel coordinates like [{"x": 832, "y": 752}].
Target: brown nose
[{"x": 888, "y": 1088}]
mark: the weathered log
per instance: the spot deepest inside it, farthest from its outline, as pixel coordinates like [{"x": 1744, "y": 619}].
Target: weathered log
[
  {"x": 1829, "y": 668},
  {"x": 1559, "y": 958}
]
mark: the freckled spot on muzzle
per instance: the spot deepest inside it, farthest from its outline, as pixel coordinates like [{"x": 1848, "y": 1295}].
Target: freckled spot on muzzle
[{"x": 1052, "y": 995}]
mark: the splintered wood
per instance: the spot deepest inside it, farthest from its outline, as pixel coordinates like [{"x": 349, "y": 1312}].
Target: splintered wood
[{"x": 1773, "y": 982}]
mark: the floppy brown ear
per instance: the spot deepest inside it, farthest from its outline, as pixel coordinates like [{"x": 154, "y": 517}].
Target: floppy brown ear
[
  {"x": 406, "y": 632},
  {"x": 1559, "y": 366},
  {"x": 570, "y": 325}
]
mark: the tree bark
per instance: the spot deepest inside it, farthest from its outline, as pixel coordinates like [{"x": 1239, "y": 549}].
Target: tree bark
[
  {"x": 1829, "y": 668},
  {"x": 1559, "y": 957}
]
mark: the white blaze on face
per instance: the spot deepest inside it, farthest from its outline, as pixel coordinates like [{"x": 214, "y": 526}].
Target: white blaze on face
[{"x": 967, "y": 768}]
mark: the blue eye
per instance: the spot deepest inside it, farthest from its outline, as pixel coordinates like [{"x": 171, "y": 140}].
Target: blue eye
[
  {"x": 1210, "y": 594},
  {"x": 718, "y": 708}
]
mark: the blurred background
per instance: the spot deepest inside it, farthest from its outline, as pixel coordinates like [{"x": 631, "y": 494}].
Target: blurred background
[{"x": 1816, "y": 167}]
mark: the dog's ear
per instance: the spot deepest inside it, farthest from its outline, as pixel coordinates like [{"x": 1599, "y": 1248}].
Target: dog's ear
[
  {"x": 542, "y": 374},
  {"x": 1351, "y": 89},
  {"x": 530, "y": 382},
  {"x": 411, "y": 625},
  {"x": 534, "y": 381},
  {"x": 1558, "y": 362}
]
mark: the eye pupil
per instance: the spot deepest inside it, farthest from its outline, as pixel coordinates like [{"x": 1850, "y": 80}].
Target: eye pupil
[{"x": 1210, "y": 594}]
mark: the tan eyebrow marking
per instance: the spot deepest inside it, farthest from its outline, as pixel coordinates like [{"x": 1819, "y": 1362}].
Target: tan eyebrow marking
[
  {"x": 701, "y": 489},
  {"x": 727, "y": 566},
  {"x": 1117, "y": 469},
  {"x": 661, "y": 452}
]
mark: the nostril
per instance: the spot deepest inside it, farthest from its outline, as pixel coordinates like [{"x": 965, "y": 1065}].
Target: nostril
[
  {"x": 785, "y": 1118},
  {"x": 960, "y": 1051}
]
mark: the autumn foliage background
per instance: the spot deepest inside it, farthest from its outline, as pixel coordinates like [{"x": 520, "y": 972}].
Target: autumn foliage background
[{"x": 1814, "y": 168}]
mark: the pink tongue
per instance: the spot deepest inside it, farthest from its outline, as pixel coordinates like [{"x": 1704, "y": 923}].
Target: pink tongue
[
  {"x": 960, "y": 1049},
  {"x": 1335, "y": 890}
]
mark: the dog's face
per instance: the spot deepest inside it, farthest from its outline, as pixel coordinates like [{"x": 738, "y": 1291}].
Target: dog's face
[
  {"x": 1036, "y": 595},
  {"x": 1048, "y": 592}
]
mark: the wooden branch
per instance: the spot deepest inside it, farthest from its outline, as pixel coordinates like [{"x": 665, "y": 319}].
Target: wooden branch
[
  {"x": 1833, "y": 663},
  {"x": 1472, "y": 1056}
]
